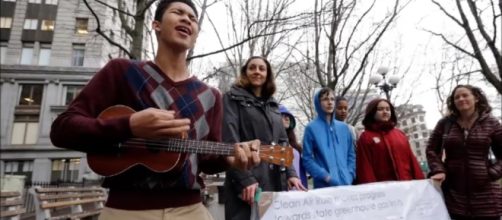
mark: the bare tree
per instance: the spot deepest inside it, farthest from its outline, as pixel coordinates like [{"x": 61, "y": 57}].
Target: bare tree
[
  {"x": 260, "y": 30},
  {"x": 342, "y": 38},
  {"x": 448, "y": 73},
  {"x": 132, "y": 20},
  {"x": 480, "y": 22},
  {"x": 256, "y": 27}
]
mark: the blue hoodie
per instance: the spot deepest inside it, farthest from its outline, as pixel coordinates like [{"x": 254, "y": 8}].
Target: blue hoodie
[{"x": 328, "y": 150}]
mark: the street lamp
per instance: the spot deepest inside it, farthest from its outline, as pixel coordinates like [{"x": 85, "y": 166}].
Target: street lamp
[{"x": 386, "y": 85}]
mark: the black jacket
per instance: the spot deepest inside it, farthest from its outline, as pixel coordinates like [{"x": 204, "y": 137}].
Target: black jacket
[{"x": 245, "y": 118}]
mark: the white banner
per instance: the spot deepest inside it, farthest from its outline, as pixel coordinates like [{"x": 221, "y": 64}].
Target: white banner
[{"x": 397, "y": 200}]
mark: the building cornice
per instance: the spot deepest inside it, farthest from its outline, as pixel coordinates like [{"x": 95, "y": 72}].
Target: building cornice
[{"x": 8, "y": 73}]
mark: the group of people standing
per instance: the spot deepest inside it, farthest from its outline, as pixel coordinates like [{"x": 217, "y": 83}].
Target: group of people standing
[
  {"x": 169, "y": 102},
  {"x": 334, "y": 154}
]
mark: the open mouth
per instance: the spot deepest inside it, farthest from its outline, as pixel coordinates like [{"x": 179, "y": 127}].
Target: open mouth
[{"x": 184, "y": 30}]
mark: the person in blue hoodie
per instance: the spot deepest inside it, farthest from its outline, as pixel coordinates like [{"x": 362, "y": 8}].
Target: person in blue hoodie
[{"x": 328, "y": 152}]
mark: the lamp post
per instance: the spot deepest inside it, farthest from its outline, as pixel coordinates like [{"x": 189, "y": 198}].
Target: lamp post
[{"x": 386, "y": 85}]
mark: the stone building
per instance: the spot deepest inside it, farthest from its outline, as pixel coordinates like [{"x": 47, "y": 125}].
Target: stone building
[{"x": 49, "y": 51}]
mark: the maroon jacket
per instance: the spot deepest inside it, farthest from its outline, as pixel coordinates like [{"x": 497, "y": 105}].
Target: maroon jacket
[
  {"x": 470, "y": 188},
  {"x": 385, "y": 156}
]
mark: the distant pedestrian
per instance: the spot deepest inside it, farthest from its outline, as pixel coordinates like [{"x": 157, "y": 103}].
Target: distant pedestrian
[
  {"x": 383, "y": 151},
  {"x": 467, "y": 176}
]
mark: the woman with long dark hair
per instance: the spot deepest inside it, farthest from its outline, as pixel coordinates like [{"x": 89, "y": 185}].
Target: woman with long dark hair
[
  {"x": 467, "y": 176},
  {"x": 383, "y": 151}
]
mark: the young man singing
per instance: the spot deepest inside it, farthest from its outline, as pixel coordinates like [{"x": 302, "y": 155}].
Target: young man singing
[{"x": 168, "y": 102}]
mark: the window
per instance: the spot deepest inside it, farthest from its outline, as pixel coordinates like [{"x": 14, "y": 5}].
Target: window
[
  {"x": 423, "y": 127},
  {"x": 72, "y": 92},
  {"x": 47, "y": 25},
  {"x": 5, "y": 22},
  {"x": 415, "y": 136},
  {"x": 27, "y": 54},
  {"x": 19, "y": 167},
  {"x": 3, "y": 51},
  {"x": 51, "y": 2},
  {"x": 404, "y": 123},
  {"x": 65, "y": 170},
  {"x": 81, "y": 25},
  {"x": 424, "y": 134},
  {"x": 45, "y": 54},
  {"x": 25, "y": 128},
  {"x": 35, "y": 1},
  {"x": 413, "y": 120},
  {"x": 31, "y": 94},
  {"x": 78, "y": 55},
  {"x": 30, "y": 24},
  {"x": 421, "y": 119}
]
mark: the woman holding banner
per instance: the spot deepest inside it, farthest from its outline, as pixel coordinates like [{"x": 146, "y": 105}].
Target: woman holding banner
[
  {"x": 383, "y": 151},
  {"x": 467, "y": 176}
]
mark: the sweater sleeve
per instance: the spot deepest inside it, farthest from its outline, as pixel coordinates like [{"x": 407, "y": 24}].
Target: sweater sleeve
[
  {"x": 79, "y": 127},
  {"x": 433, "y": 151},
  {"x": 495, "y": 170},
  {"x": 230, "y": 133},
  {"x": 211, "y": 164},
  {"x": 309, "y": 161},
  {"x": 364, "y": 169}
]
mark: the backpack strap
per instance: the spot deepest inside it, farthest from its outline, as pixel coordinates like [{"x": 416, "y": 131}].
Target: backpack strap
[{"x": 446, "y": 131}]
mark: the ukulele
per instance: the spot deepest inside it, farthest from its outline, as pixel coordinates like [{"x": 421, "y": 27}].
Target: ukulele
[{"x": 168, "y": 154}]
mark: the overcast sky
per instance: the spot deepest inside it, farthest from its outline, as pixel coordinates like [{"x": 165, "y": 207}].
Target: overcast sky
[{"x": 418, "y": 49}]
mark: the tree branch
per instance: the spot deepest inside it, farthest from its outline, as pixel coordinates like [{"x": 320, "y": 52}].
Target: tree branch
[
  {"x": 100, "y": 32},
  {"x": 451, "y": 43}
]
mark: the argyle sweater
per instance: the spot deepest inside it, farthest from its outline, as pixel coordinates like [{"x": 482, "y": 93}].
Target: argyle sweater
[{"x": 141, "y": 85}]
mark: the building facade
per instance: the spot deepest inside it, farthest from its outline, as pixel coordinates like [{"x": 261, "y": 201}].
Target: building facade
[
  {"x": 411, "y": 119},
  {"x": 49, "y": 51}
]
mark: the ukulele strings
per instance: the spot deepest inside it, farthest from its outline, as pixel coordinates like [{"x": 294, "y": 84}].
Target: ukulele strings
[{"x": 180, "y": 145}]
